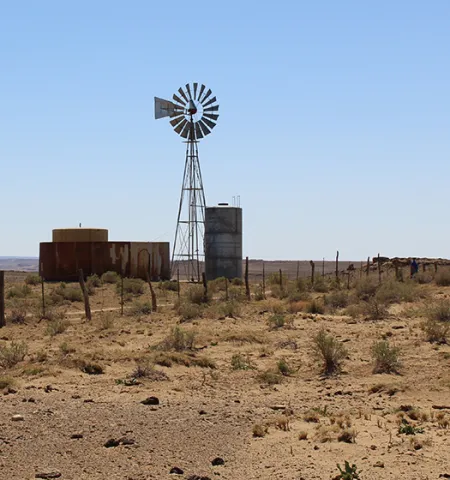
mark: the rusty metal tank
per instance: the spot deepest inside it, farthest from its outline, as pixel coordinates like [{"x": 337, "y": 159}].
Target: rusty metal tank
[{"x": 223, "y": 242}]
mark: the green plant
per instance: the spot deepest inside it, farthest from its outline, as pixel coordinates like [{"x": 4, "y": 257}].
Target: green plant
[
  {"x": 320, "y": 285},
  {"x": 259, "y": 430},
  {"x": 241, "y": 362},
  {"x": 373, "y": 309},
  {"x": 348, "y": 473},
  {"x": 196, "y": 294},
  {"x": 141, "y": 308},
  {"x": 229, "y": 309},
  {"x": 169, "y": 285},
  {"x": 237, "y": 281},
  {"x": 179, "y": 340},
  {"x": 18, "y": 292},
  {"x": 329, "y": 351},
  {"x": 269, "y": 377},
  {"x": 408, "y": 429},
  {"x": 392, "y": 291},
  {"x": 66, "y": 349},
  {"x": 57, "y": 326},
  {"x": 92, "y": 283},
  {"x": 110, "y": 277},
  {"x": 146, "y": 369},
  {"x": 277, "y": 278},
  {"x": 435, "y": 331},
  {"x": 6, "y": 382},
  {"x": 442, "y": 278},
  {"x": 189, "y": 311},
  {"x": 277, "y": 321},
  {"x": 12, "y": 354},
  {"x": 71, "y": 294},
  {"x": 284, "y": 368},
  {"x": 385, "y": 357},
  {"x": 33, "y": 279}
]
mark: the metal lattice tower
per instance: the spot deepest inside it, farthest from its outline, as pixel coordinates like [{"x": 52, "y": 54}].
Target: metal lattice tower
[{"x": 194, "y": 115}]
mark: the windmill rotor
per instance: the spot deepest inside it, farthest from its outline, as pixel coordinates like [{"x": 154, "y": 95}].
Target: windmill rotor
[{"x": 190, "y": 110}]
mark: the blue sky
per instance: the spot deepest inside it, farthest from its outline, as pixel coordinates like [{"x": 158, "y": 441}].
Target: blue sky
[{"x": 334, "y": 126}]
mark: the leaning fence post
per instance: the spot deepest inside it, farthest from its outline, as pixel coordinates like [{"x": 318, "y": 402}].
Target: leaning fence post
[
  {"x": 43, "y": 297},
  {"x": 337, "y": 266},
  {"x": 281, "y": 278},
  {"x": 87, "y": 307},
  {"x": 247, "y": 285},
  {"x": 368, "y": 266},
  {"x": 313, "y": 268},
  {"x": 226, "y": 289},
  {"x": 152, "y": 293},
  {"x": 323, "y": 266},
  {"x": 2, "y": 299},
  {"x": 379, "y": 269}
]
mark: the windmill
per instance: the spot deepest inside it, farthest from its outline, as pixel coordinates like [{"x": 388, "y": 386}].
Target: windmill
[{"x": 193, "y": 114}]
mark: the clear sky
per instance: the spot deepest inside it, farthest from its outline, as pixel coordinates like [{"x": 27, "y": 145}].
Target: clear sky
[{"x": 334, "y": 126}]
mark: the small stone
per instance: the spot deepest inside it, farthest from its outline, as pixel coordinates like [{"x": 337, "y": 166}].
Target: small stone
[
  {"x": 76, "y": 435},
  {"x": 112, "y": 443},
  {"x": 218, "y": 461},
  {"x": 202, "y": 412},
  {"x": 373, "y": 447},
  {"x": 76, "y": 396},
  {"x": 48, "y": 475},
  {"x": 151, "y": 401},
  {"x": 379, "y": 464},
  {"x": 32, "y": 400},
  {"x": 17, "y": 418},
  {"x": 127, "y": 441},
  {"x": 176, "y": 471}
]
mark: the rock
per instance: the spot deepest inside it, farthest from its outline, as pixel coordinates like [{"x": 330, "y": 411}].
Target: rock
[
  {"x": 197, "y": 477},
  {"x": 17, "y": 418},
  {"x": 49, "y": 389},
  {"x": 202, "y": 412},
  {"x": 176, "y": 471},
  {"x": 218, "y": 461},
  {"x": 379, "y": 464},
  {"x": 126, "y": 441},
  {"x": 112, "y": 443},
  {"x": 48, "y": 475},
  {"x": 151, "y": 401},
  {"x": 278, "y": 407},
  {"x": 76, "y": 435}
]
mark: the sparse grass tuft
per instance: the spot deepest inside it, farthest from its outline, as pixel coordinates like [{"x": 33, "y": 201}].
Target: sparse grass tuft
[
  {"x": 284, "y": 368},
  {"x": 169, "y": 285},
  {"x": 189, "y": 311},
  {"x": 110, "y": 277},
  {"x": 303, "y": 435},
  {"x": 241, "y": 362},
  {"x": 178, "y": 340},
  {"x": 347, "y": 436},
  {"x": 17, "y": 316},
  {"x": 32, "y": 279},
  {"x": 195, "y": 294},
  {"x": 385, "y": 357},
  {"x": 329, "y": 351},
  {"x": 259, "y": 430},
  {"x": 145, "y": 368},
  {"x": 131, "y": 286},
  {"x": 311, "y": 416},
  {"x": 337, "y": 299},
  {"x": 315, "y": 307},
  {"x": 439, "y": 311},
  {"x": 366, "y": 288},
  {"x": 106, "y": 321},
  {"x": 435, "y": 331},
  {"x": 141, "y": 308},
  {"x": 392, "y": 291},
  {"x": 66, "y": 349},
  {"x": 57, "y": 326},
  {"x": 442, "y": 278},
  {"x": 18, "y": 292},
  {"x": 6, "y": 382},
  {"x": 269, "y": 377},
  {"x": 230, "y": 309},
  {"x": 279, "y": 321},
  {"x": 12, "y": 354}
]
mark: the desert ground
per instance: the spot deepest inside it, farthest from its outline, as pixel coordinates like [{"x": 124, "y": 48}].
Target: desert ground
[{"x": 287, "y": 385}]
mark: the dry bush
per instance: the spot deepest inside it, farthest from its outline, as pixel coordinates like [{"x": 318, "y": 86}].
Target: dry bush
[
  {"x": 337, "y": 299},
  {"x": 18, "y": 292},
  {"x": 438, "y": 311},
  {"x": 355, "y": 311},
  {"x": 347, "y": 436},
  {"x": 90, "y": 368},
  {"x": 366, "y": 288},
  {"x": 229, "y": 309},
  {"x": 274, "y": 306},
  {"x": 145, "y": 368},
  {"x": 168, "y": 285},
  {"x": 17, "y": 316},
  {"x": 63, "y": 292},
  {"x": 66, "y": 349},
  {"x": 442, "y": 278},
  {"x": 385, "y": 357},
  {"x": 6, "y": 382},
  {"x": 241, "y": 362},
  {"x": 195, "y": 294},
  {"x": 311, "y": 416},
  {"x": 373, "y": 309},
  {"x": 188, "y": 311},
  {"x": 218, "y": 284},
  {"x": 279, "y": 292},
  {"x": 236, "y": 294},
  {"x": 258, "y": 294},
  {"x": 106, "y": 321},
  {"x": 315, "y": 307},
  {"x": 12, "y": 354},
  {"x": 141, "y": 308},
  {"x": 303, "y": 435},
  {"x": 259, "y": 430},
  {"x": 435, "y": 331},
  {"x": 277, "y": 279},
  {"x": 269, "y": 377},
  {"x": 131, "y": 286},
  {"x": 279, "y": 321},
  {"x": 32, "y": 279},
  {"x": 284, "y": 368},
  {"x": 57, "y": 326},
  {"x": 321, "y": 285},
  {"x": 110, "y": 277},
  {"x": 167, "y": 359},
  {"x": 296, "y": 307},
  {"x": 329, "y": 351},
  {"x": 392, "y": 291},
  {"x": 178, "y": 340}
]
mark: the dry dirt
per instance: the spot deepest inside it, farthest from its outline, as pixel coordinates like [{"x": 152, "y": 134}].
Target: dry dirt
[{"x": 204, "y": 413}]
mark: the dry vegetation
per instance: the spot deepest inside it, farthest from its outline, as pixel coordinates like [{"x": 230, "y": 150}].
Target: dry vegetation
[{"x": 305, "y": 376}]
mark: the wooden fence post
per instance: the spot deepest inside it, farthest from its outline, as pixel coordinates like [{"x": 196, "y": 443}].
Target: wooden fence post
[
  {"x": 298, "y": 270},
  {"x": 226, "y": 289},
  {"x": 247, "y": 285},
  {"x": 368, "y": 266},
  {"x": 121, "y": 294},
  {"x": 87, "y": 307},
  {"x": 313, "y": 268},
  {"x": 379, "y": 269},
  {"x": 264, "y": 281},
  {"x": 178, "y": 283},
  {"x": 2, "y": 299},
  {"x": 43, "y": 297},
  {"x": 205, "y": 288},
  {"x": 337, "y": 266},
  {"x": 152, "y": 293},
  {"x": 281, "y": 278},
  {"x": 323, "y": 266}
]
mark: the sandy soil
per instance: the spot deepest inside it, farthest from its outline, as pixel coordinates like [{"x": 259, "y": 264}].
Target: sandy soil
[{"x": 204, "y": 413}]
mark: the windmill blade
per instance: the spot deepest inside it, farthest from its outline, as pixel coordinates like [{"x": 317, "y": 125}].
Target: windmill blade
[
  {"x": 214, "y": 99},
  {"x": 186, "y": 130},
  {"x": 202, "y": 89},
  {"x": 178, "y": 99},
  {"x": 176, "y": 121},
  {"x": 208, "y": 93},
  {"x": 183, "y": 94},
  {"x": 188, "y": 88},
  {"x": 198, "y": 132},
  {"x": 210, "y": 124},
  {"x": 180, "y": 126},
  {"x": 195, "y": 90},
  {"x": 205, "y": 129},
  {"x": 164, "y": 108},
  {"x": 211, "y": 116},
  {"x": 211, "y": 109}
]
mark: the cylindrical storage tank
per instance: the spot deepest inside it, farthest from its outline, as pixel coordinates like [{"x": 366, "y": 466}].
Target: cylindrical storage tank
[
  {"x": 223, "y": 242},
  {"x": 80, "y": 235}
]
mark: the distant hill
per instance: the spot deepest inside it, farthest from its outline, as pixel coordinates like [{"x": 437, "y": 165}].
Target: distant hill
[{"x": 19, "y": 264}]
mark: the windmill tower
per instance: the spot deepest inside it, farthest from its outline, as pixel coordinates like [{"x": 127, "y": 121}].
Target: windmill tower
[{"x": 193, "y": 114}]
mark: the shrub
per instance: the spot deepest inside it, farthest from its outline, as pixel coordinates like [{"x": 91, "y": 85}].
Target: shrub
[
  {"x": 57, "y": 326},
  {"x": 132, "y": 286},
  {"x": 277, "y": 321},
  {"x": 348, "y": 473},
  {"x": 32, "y": 279},
  {"x": 169, "y": 285},
  {"x": 439, "y": 311},
  {"x": 435, "y": 331},
  {"x": 385, "y": 357},
  {"x": 106, "y": 321},
  {"x": 189, "y": 311},
  {"x": 18, "y": 315},
  {"x": 66, "y": 349},
  {"x": 396, "y": 292},
  {"x": 284, "y": 368},
  {"x": 442, "y": 278},
  {"x": 277, "y": 279},
  {"x": 269, "y": 377},
  {"x": 278, "y": 291},
  {"x": 110, "y": 277},
  {"x": 237, "y": 281},
  {"x": 236, "y": 293},
  {"x": 92, "y": 283},
  {"x": 13, "y": 354},
  {"x": 71, "y": 294},
  {"x": 6, "y": 382},
  {"x": 314, "y": 307},
  {"x": 373, "y": 309},
  {"x": 366, "y": 288},
  {"x": 330, "y": 351},
  {"x": 259, "y": 293},
  {"x": 179, "y": 340},
  {"x": 320, "y": 285},
  {"x": 259, "y": 430},
  {"x": 18, "y": 292},
  {"x": 229, "y": 309},
  {"x": 139, "y": 308},
  {"x": 241, "y": 362},
  {"x": 91, "y": 368},
  {"x": 196, "y": 294},
  {"x": 146, "y": 369},
  {"x": 337, "y": 299}
]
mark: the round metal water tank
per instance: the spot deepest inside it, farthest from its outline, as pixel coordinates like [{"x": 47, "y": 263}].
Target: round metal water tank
[
  {"x": 80, "y": 235},
  {"x": 223, "y": 242}
]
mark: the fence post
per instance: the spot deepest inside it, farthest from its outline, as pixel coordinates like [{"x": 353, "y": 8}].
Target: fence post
[
  {"x": 205, "y": 288},
  {"x": 379, "y": 269},
  {"x": 178, "y": 283},
  {"x": 264, "y": 281},
  {"x": 43, "y": 297},
  {"x": 152, "y": 293},
  {"x": 298, "y": 270},
  {"x": 121, "y": 294},
  {"x": 323, "y": 266},
  {"x": 368, "y": 266},
  {"x": 313, "y": 268},
  {"x": 281, "y": 278},
  {"x": 247, "y": 285},
  {"x": 87, "y": 307},
  {"x": 226, "y": 289},
  {"x": 337, "y": 266},
  {"x": 2, "y": 299}
]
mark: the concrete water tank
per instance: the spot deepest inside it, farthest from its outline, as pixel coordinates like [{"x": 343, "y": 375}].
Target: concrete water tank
[
  {"x": 223, "y": 242},
  {"x": 80, "y": 235}
]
